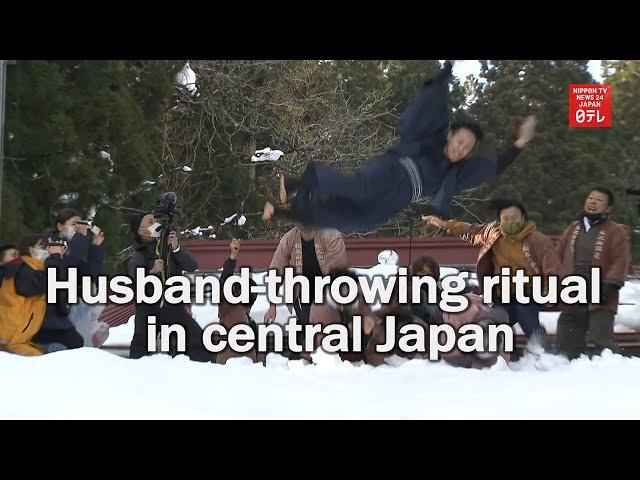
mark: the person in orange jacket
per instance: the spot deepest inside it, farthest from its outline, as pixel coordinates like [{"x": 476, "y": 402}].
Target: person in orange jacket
[{"x": 23, "y": 289}]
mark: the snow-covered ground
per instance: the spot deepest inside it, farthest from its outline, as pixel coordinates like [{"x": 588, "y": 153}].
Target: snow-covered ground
[{"x": 91, "y": 383}]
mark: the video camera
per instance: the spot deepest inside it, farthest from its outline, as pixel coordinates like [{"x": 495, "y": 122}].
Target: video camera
[
  {"x": 166, "y": 209},
  {"x": 166, "y": 204},
  {"x": 93, "y": 228},
  {"x": 163, "y": 214}
]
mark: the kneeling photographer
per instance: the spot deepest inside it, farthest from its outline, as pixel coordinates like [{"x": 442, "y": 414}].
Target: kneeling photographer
[{"x": 158, "y": 251}]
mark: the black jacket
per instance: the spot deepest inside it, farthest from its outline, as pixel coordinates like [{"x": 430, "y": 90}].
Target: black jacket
[
  {"x": 29, "y": 282},
  {"x": 57, "y": 315},
  {"x": 145, "y": 256}
]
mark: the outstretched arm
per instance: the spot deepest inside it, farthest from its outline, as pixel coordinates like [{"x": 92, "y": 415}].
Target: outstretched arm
[
  {"x": 478, "y": 169},
  {"x": 229, "y": 264},
  {"x": 476, "y": 234},
  {"x": 525, "y": 134},
  {"x": 228, "y": 267}
]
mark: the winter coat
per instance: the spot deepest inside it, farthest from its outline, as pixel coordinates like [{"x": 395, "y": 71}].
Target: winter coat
[
  {"x": 329, "y": 245},
  {"x": 378, "y": 337},
  {"x": 330, "y": 252},
  {"x": 476, "y": 312},
  {"x": 611, "y": 254},
  {"x": 537, "y": 248},
  {"x": 331, "y": 313},
  {"x": 57, "y": 315},
  {"x": 23, "y": 302},
  {"x": 145, "y": 255}
]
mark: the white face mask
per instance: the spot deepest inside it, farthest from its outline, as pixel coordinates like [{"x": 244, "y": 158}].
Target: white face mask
[
  {"x": 40, "y": 254},
  {"x": 69, "y": 232},
  {"x": 154, "y": 230}
]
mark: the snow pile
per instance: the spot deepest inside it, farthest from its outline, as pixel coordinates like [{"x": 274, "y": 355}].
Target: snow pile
[
  {"x": 235, "y": 219},
  {"x": 106, "y": 157},
  {"x": 388, "y": 257},
  {"x": 199, "y": 231},
  {"x": 187, "y": 78},
  {"x": 93, "y": 384},
  {"x": 628, "y": 318},
  {"x": 90, "y": 383},
  {"x": 266, "y": 155},
  {"x": 68, "y": 197}
]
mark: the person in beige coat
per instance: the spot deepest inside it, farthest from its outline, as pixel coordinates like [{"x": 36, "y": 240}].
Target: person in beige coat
[{"x": 312, "y": 253}]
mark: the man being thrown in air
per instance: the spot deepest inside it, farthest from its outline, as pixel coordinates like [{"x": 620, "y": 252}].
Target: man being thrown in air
[{"x": 432, "y": 159}]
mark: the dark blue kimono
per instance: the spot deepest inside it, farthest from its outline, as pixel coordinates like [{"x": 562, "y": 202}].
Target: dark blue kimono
[{"x": 415, "y": 168}]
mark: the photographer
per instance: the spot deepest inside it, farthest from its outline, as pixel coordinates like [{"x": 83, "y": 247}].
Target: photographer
[
  {"x": 149, "y": 255},
  {"x": 23, "y": 288},
  {"x": 8, "y": 253},
  {"x": 85, "y": 251}
]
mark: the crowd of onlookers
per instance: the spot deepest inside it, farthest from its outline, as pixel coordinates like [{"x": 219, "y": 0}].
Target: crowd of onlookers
[{"x": 30, "y": 326}]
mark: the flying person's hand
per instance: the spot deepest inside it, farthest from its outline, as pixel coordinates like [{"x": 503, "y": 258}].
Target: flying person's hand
[
  {"x": 527, "y": 129},
  {"x": 434, "y": 220}
]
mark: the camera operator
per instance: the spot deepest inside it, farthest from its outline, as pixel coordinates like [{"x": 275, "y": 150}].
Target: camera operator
[
  {"x": 149, "y": 255},
  {"x": 86, "y": 252}
]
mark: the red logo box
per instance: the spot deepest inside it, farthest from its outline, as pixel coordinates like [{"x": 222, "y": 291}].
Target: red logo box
[{"x": 589, "y": 105}]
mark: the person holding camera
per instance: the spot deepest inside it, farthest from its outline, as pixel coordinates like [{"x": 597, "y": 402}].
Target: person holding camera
[
  {"x": 23, "y": 289},
  {"x": 150, "y": 256},
  {"x": 86, "y": 252},
  {"x": 8, "y": 253}
]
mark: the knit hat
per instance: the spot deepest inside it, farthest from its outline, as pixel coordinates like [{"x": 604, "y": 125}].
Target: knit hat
[{"x": 136, "y": 220}]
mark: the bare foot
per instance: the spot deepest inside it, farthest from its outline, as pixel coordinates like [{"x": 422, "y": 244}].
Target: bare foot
[{"x": 268, "y": 212}]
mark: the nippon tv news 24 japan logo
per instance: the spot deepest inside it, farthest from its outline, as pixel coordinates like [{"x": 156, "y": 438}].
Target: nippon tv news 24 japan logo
[{"x": 589, "y": 105}]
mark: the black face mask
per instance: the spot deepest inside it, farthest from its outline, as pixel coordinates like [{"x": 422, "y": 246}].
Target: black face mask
[{"x": 596, "y": 217}]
